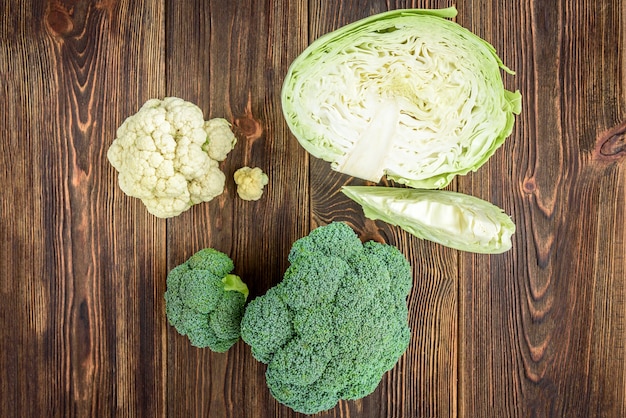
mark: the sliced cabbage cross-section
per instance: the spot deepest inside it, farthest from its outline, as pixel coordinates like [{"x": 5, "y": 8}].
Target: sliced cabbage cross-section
[{"x": 406, "y": 94}]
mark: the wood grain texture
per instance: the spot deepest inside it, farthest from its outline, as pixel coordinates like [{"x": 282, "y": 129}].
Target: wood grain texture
[
  {"x": 552, "y": 309},
  {"x": 423, "y": 384},
  {"x": 539, "y": 331},
  {"x": 240, "y": 54},
  {"x": 78, "y": 340}
]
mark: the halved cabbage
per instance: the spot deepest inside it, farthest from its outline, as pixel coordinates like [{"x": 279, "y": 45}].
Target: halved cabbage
[
  {"x": 407, "y": 94},
  {"x": 453, "y": 219}
]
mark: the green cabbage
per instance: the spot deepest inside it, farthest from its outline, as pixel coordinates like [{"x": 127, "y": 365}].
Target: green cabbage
[
  {"x": 449, "y": 218},
  {"x": 407, "y": 94}
]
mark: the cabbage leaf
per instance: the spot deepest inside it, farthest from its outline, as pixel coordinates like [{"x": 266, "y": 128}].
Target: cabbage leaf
[
  {"x": 406, "y": 94},
  {"x": 453, "y": 219}
]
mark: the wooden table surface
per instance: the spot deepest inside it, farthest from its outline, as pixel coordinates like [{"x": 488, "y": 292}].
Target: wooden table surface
[{"x": 539, "y": 331}]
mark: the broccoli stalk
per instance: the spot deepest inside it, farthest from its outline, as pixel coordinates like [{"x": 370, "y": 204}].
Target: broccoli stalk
[{"x": 205, "y": 302}]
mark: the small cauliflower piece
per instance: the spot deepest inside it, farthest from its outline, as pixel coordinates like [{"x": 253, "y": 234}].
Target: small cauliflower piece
[
  {"x": 168, "y": 156},
  {"x": 250, "y": 182},
  {"x": 221, "y": 137}
]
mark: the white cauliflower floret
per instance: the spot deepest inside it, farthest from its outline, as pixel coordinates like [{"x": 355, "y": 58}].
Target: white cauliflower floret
[
  {"x": 250, "y": 182},
  {"x": 221, "y": 138},
  {"x": 164, "y": 156}
]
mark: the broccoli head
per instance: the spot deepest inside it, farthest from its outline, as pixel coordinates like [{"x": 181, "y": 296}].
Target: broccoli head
[
  {"x": 335, "y": 324},
  {"x": 205, "y": 302}
]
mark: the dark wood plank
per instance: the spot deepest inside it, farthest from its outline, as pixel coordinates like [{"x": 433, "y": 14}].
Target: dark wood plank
[
  {"x": 543, "y": 326},
  {"x": 26, "y": 296},
  {"x": 424, "y": 382},
  {"x": 229, "y": 58},
  {"x": 85, "y": 337}
]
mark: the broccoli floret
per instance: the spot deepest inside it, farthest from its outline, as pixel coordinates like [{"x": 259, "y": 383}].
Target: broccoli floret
[
  {"x": 335, "y": 239},
  {"x": 225, "y": 319},
  {"x": 216, "y": 262},
  {"x": 267, "y": 325},
  {"x": 397, "y": 266},
  {"x": 335, "y": 324},
  {"x": 313, "y": 280},
  {"x": 205, "y": 302}
]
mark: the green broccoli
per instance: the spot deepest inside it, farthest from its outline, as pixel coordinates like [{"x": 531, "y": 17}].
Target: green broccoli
[
  {"x": 335, "y": 324},
  {"x": 205, "y": 302}
]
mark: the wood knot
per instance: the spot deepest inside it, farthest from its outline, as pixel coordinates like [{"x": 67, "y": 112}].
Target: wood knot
[
  {"x": 611, "y": 144},
  {"x": 249, "y": 127},
  {"x": 67, "y": 18},
  {"x": 59, "y": 20},
  {"x": 529, "y": 186}
]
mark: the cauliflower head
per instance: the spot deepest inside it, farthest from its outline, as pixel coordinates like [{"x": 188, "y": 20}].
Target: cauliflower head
[
  {"x": 250, "y": 182},
  {"x": 168, "y": 156}
]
